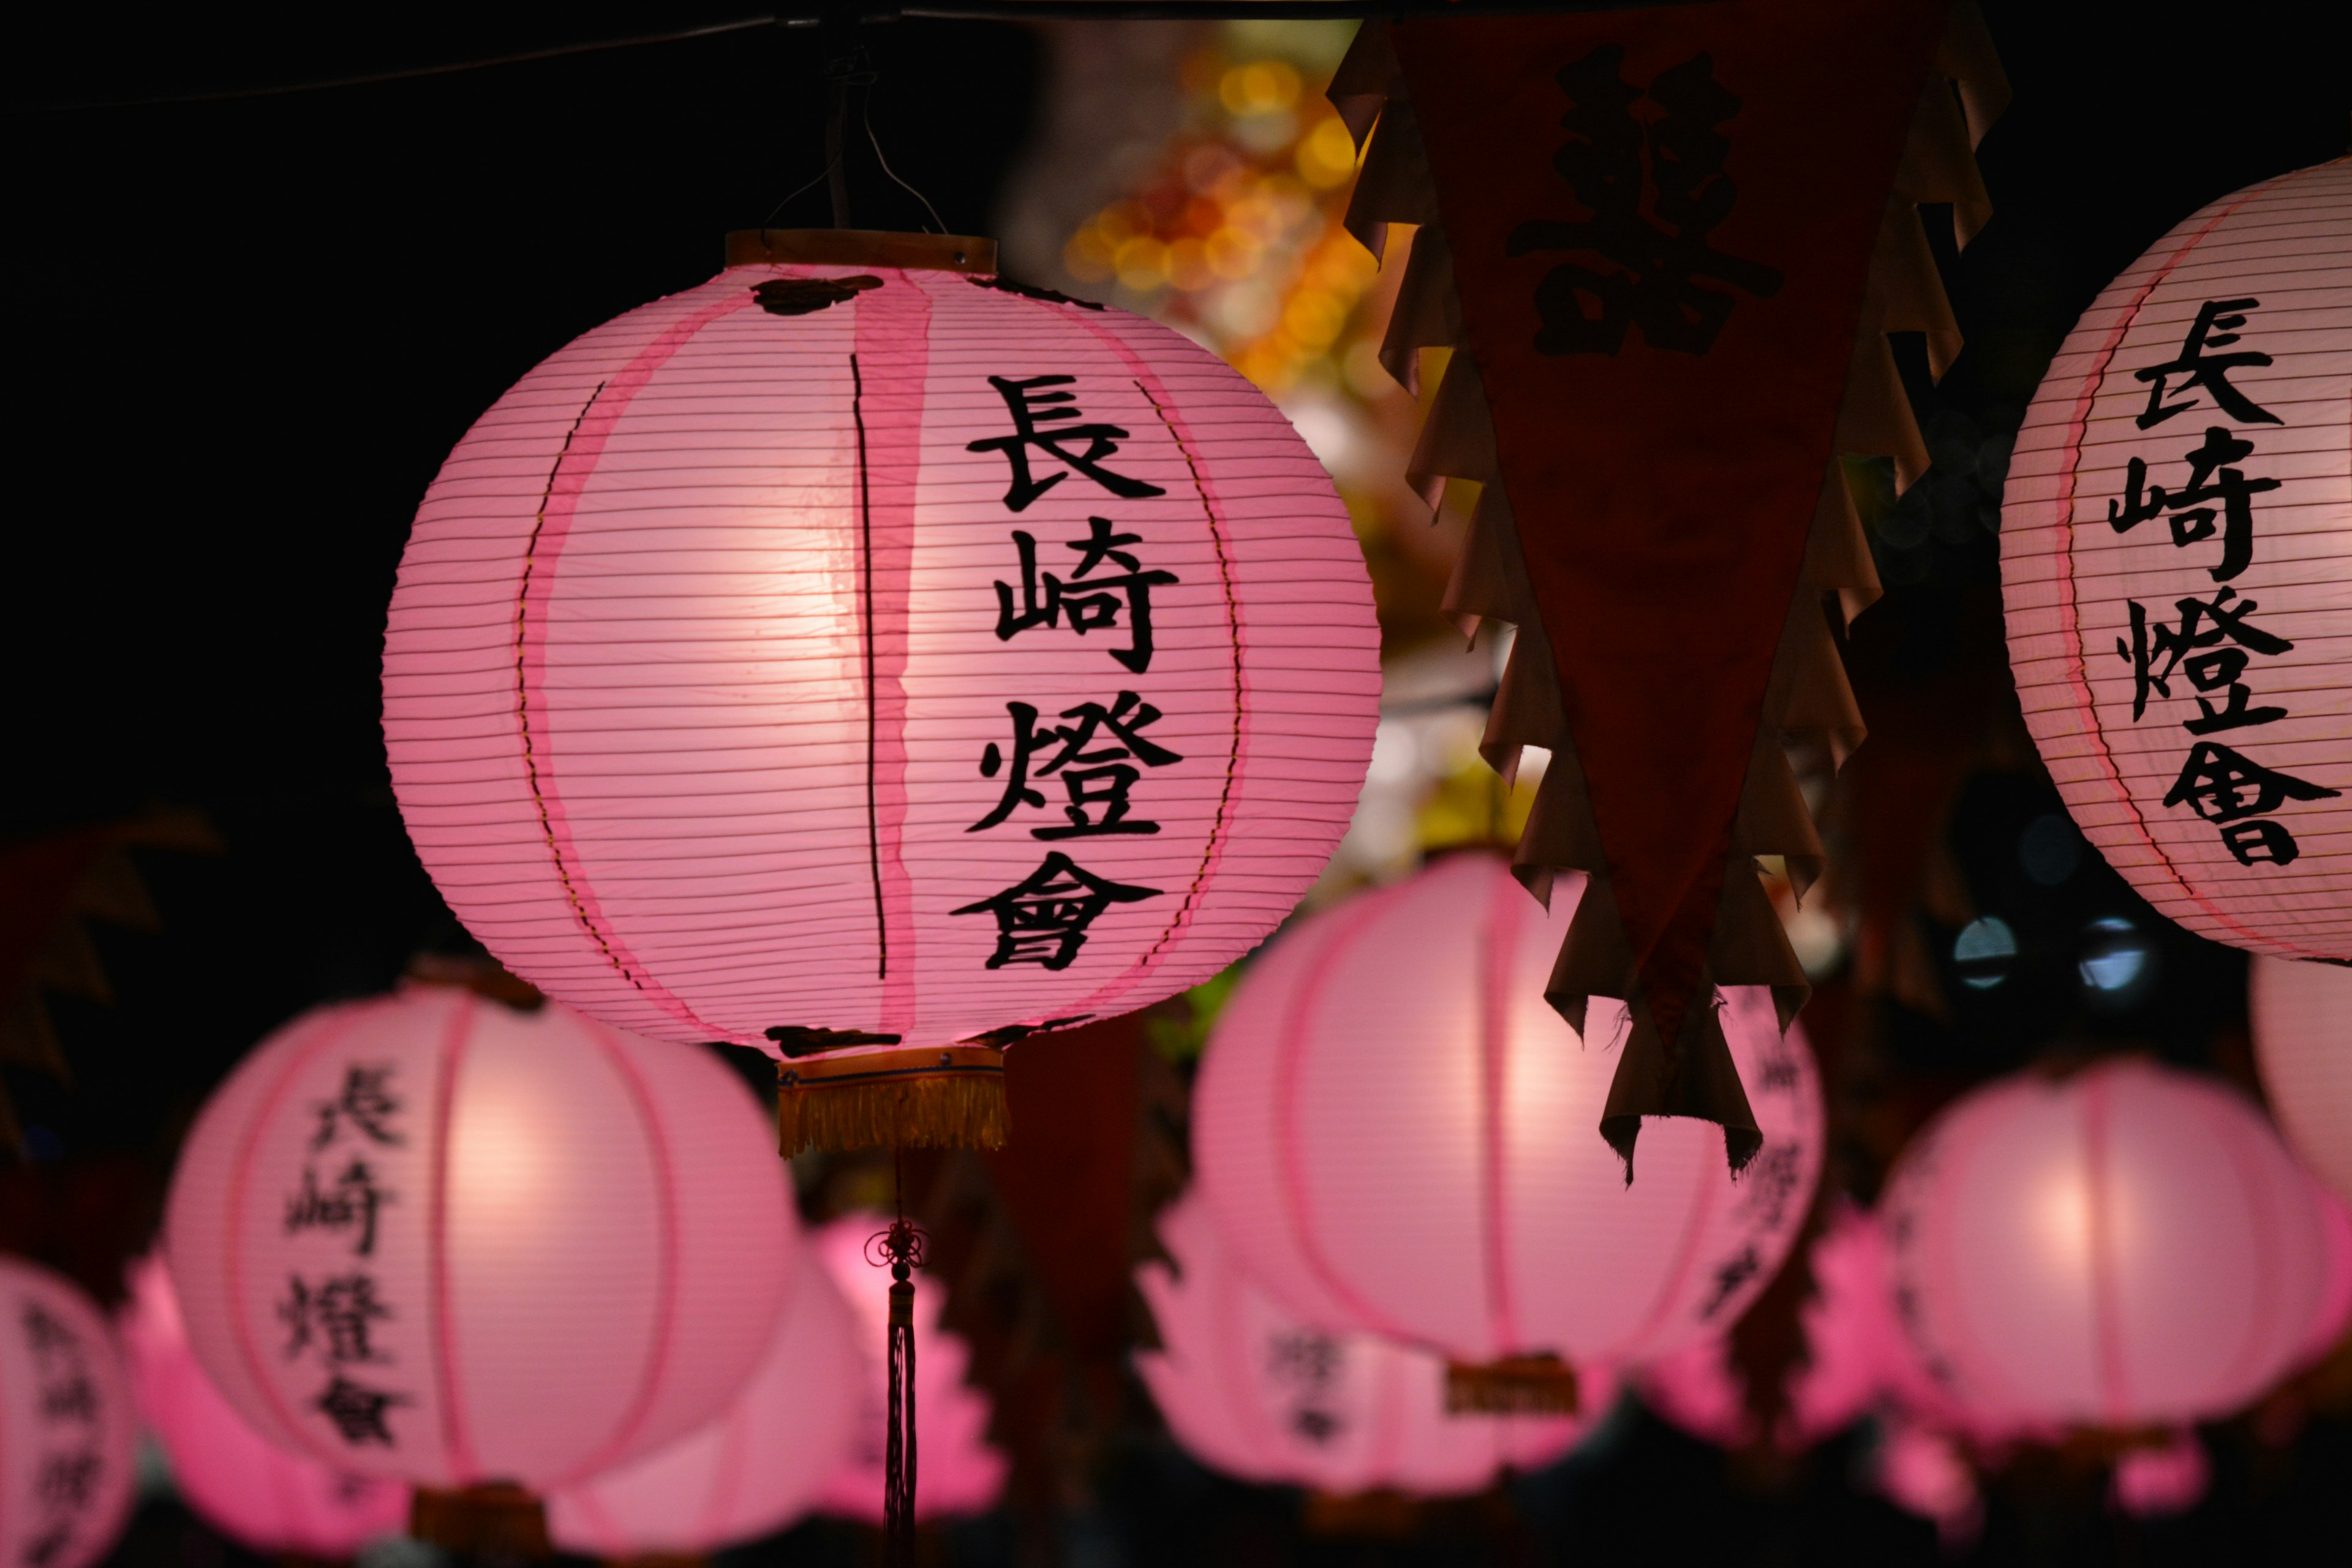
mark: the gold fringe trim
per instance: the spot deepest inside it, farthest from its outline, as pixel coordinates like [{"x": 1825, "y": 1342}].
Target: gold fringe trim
[
  {"x": 496, "y": 1519},
  {"x": 931, "y": 1097},
  {"x": 1515, "y": 1385}
]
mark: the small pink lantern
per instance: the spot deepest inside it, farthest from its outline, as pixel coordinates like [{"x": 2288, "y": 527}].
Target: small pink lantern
[
  {"x": 1922, "y": 1469},
  {"x": 2176, "y": 568},
  {"x": 2303, "y": 1043},
  {"x": 432, "y": 1238},
  {"x": 1250, "y": 1390},
  {"x": 2168, "y": 1478},
  {"x": 2125, "y": 1246},
  {"x": 68, "y": 1432},
  {"x": 757, "y": 1469},
  {"x": 859, "y": 653},
  {"x": 1391, "y": 1125},
  {"x": 1849, "y": 1325},
  {"x": 263, "y": 1497},
  {"x": 961, "y": 1473}
]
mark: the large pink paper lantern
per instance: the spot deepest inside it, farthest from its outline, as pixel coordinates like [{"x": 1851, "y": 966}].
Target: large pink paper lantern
[
  {"x": 2302, "y": 1016},
  {"x": 960, "y": 1472},
  {"x": 263, "y": 1497},
  {"x": 1849, "y": 1326},
  {"x": 1249, "y": 1389},
  {"x": 434, "y": 1239},
  {"x": 759, "y": 1466},
  {"x": 874, "y": 656},
  {"x": 2126, "y": 1246},
  {"x": 2176, "y": 565},
  {"x": 1392, "y": 1126},
  {"x": 67, "y": 1431}
]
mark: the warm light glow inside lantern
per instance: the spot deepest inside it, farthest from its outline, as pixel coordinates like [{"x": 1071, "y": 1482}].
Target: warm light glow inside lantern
[
  {"x": 847, "y": 657},
  {"x": 67, "y": 1431},
  {"x": 2302, "y": 1017},
  {"x": 1394, "y": 1128}
]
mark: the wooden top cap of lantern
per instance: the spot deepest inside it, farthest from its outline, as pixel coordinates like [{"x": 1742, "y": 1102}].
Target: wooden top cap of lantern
[{"x": 860, "y": 247}]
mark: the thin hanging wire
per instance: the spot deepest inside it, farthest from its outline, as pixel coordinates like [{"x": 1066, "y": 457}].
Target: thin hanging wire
[
  {"x": 867, "y": 113},
  {"x": 821, "y": 175}
]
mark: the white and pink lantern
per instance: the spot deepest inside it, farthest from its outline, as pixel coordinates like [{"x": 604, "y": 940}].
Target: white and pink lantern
[
  {"x": 264, "y": 1498},
  {"x": 2302, "y": 1019},
  {"x": 861, "y": 658},
  {"x": 432, "y": 1238},
  {"x": 67, "y": 1431},
  {"x": 1250, "y": 1390},
  {"x": 2176, "y": 567},
  {"x": 760, "y": 1467},
  {"x": 962, "y": 1472},
  {"x": 1389, "y": 1126},
  {"x": 2125, "y": 1246}
]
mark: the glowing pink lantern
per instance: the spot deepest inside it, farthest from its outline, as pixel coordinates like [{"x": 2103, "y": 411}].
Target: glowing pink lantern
[
  {"x": 960, "y": 1472},
  {"x": 1392, "y": 1126},
  {"x": 433, "y": 1238},
  {"x": 2171, "y": 1478},
  {"x": 1849, "y": 1325},
  {"x": 2125, "y": 1246},
  {"x": 258, "y": 1494},
  {"x": 68, "y": 1432},
  {"x": 2177, "y": 566},
  {"x": 757, "y": 1469},
  {"x": 2303, "y": 1042},
  {"x": 1921, "y": 1469},
  {"x": 1249, "y": 1389},
  {"x": 744, "y": 656}
]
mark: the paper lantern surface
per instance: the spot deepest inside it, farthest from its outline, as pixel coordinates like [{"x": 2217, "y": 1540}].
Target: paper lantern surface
[
  {"x": 432, "y": 1238},
  {"x": 2126, "y": 1246},
  {"x": 1249, "y": 1389},
  {"x": 1394, "y": 1130},
  {"x": 263, "y": 1497},
  {"x": 2302, "y": 1017},
  {"x": 933, "y": 661},
  {"x": 960, "y": 1472},
  {"x": 2176, "y": 567},
  {"x": 67, "y": 1431},
  {"x": 755, "y": 1471}
]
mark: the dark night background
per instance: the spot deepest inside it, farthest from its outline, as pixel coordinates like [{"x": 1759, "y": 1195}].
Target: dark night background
[{"x": 247, "y": 332}]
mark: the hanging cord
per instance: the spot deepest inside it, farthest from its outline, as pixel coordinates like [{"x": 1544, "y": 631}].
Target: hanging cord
[
  {"x": 902, "y": 1248},
  {"x": 940, "y": 227}
]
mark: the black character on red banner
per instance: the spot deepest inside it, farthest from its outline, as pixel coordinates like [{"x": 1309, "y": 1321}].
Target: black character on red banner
[
  {"x": 1031, "y": 407},
  {"x": 1082, "y": 601},
  {"x": 366, "y": 1104},
  {"x": 358, "y": 1412},
  {"x": 2235, "y": 793},
  {"x": 1639, "y": 263},
  {"x": 2213, "y": 476},
  {"x": 2216, "y": 327},
  {"x": 2156, "y": 651},
  {"x": 1096, "y": 763},
  {"x": 1042, "y": 919}
]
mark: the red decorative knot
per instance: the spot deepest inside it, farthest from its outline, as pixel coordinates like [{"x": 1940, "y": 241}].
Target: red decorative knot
[{"x": 902, "y": 1248}]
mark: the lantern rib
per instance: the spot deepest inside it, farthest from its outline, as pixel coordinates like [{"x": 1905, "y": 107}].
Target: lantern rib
[
  {"x": 866, "y": 642},
  {"x": 1499, "y": 935},
  {"x": 2261, "y": 1324}
]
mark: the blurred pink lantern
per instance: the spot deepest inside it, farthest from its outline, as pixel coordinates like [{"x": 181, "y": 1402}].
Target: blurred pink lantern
[
  {"x": 757, "y": 1469},
  {"x": 2124, "y": 1247},
  {"x": 263, "y": 1497},
  {"x": 2168, "y": 1478},
  {"x": 960, "y": 1472},
  {"x": 878, "y": 657},
  {"x": 68, "y": 1432},
  {"x": 1392, "y": 1128},
  {"x": 2303, "y": 1042},
  {"x": 2176, "y": 566},
  {"x": 1921, "y": 1469},
  {"x": 1249, "y": 1389},
  {"x": 436, "y": 1240},
  {"x": 1849, "y": 1329}
]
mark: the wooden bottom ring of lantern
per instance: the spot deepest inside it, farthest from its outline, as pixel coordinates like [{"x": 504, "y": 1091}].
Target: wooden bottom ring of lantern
[
  {"x": 907, "y": 1097},
  {"x": 1514, "y": 1386},
  {"x": 495, "y": 1518}
]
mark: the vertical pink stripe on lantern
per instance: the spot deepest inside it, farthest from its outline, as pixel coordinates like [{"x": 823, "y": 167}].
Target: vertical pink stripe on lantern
[
  {"x": 2107, "y": 1329},
  {"x": 457, "y": 1445},
  {"x": 2262, "y": 1330},
  {"x": 566, "y": 483},
  {"x": 892, "y": 356},
  {"x": 1499, "y": 936}
]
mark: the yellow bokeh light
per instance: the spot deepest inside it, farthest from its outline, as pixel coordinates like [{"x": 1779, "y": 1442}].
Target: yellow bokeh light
[
  {"x": 1261, "y": 87},
  {"x": 1142, "y": 263},
  {"x": 1327, "y": 155},
  {"x": 1232, "y": 254},
  {"x": 1123, "y": 221},
  {"x": 1088, "y": 254},
  {"x": 1314, "y": 317},
  {"x": 1188, "y": 265}
]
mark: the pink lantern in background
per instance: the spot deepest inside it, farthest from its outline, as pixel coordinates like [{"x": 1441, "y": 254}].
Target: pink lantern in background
[
  {"x": 962, "y": 1473},
  {"x": 1921, "y": 1469},
  {"x": 68, "y": 1432},
  {"x": 2176, "y": 567},
  {"x": 2302, "y": 1016},
  {"x": 263, "y": 1497},
  {"x": 877, "y": 656},
  {"x": 1250, "y": 1390},
  {"x": 434, "y": 1239},
  {"x": 2125, "y": 1246},
  {"x": 1849, "y": 1331},
  {"x": 2169, "y": 1478},
  {"x": 1393, "y": 1127},
  {"x": 757, "y": 1469}
]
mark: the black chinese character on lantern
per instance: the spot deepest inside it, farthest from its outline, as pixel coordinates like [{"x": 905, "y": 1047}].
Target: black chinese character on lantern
[
  {"x": 1310, "y": 1363},
  {"x": 2199, "y": 368},
  {"x": 2156, "y": 651},
  {"x": 1042, "y": 919},
  {"x": 365, "y": 1103},
  {"x": 2191, "y": 510},
  {"x": 1728, "y": 1279},
  {"x": 1096, "y": 763},
  {"x": 1031, "y": 407},
  {"x": 2238, "y": 794},
  {"x": 349, "y": 1204},
  {"x": 1632, "y": 267},
  {"x": 337, "y": 1317},
  {"x": 1083, "y": 602},
  {"x": 358, "y": 1411}
]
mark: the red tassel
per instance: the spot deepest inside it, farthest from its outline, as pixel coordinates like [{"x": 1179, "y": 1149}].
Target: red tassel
[{"x": 902, "y": 1245}]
